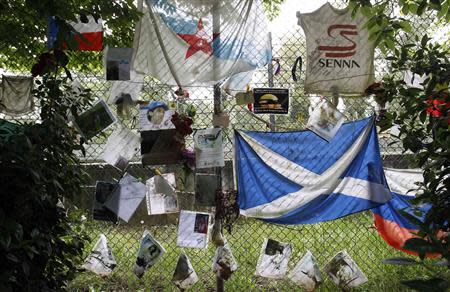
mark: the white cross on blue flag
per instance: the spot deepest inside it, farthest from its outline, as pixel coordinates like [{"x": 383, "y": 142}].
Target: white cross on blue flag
[{"x": 299, "y": 178}]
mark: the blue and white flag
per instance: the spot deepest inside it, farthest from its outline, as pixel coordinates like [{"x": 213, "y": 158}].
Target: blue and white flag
[
  {"x": 177, "y": 43},
  {"x": 298, "y": 178}
]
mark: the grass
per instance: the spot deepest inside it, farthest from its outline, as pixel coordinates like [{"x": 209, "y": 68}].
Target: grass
[{"x": 355, "y": 234}]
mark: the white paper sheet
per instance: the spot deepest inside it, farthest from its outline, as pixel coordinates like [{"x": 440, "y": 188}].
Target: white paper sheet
[
  {"x": 224, "y": 263},
  {"x": 306, "y": 273},
  {"x": 127, "y": 197},
  {"x": 121, "y": 147},
  {"x": 273, "y": 260},
  {"x": 325, "y": 120},
  {"x": 193, "y": 228},
  {"x": 208, "y": 148},
  {"x": 101, "y": 260},
  {"x": 150, "y": 252},
  {"x": 344, "y": 271},
  {"x": 184, "y": 276},
  {"x": 161, "y": 196}
]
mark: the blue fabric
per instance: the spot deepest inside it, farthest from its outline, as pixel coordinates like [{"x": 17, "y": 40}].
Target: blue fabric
[
  {"x": 259, "y": 184},
  {"x": 391, "y": 211}
]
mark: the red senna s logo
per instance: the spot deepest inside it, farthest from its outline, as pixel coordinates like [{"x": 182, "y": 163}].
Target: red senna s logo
[{"x": 341, "y": 51}]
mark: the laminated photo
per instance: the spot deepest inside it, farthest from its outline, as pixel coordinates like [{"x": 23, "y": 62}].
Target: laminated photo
[
  {"x": 184, "y": 276},
  {"x": 325, "y": 120},
  {"x": 121, "y": 147},
  {"x": 206, "y": 186},
  {"x": 193, "y": 228},
  {"x": 101, "y": 260},
  {"x": 125, "y": 200},
  {"x": 150, "y": 252},
  {"x": 273, "y": 260},
  {"x": 271, "y": 100},
  {"x": 95, "y": 120},
  {"x": 208, "y": 148},
  {"x": 161, "y": 197},
  {"x": 118, "y": 63},
  {"x": 306, "y": 274},
  {"x": 103, "y": 191},
  {"x": 158, "y": 135},
  {"x": 224, "y": 263},
  {"x": 155, "y": 116},
  {"x": 344, "y": 271}
]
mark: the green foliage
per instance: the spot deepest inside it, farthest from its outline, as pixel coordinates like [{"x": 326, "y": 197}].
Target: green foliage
[
  {"x": 40, "y": 241},
  {"x": 423, "y": 118},
  {"x": 24, "y": 22},
  {"x": 272, "y": 7}
]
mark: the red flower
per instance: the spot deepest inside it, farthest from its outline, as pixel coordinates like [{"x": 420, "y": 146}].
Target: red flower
[{"x": 438, "y": 105}]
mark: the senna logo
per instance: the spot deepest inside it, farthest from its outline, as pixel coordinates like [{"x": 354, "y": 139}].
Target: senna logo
[{"x": 340, "y": 51}]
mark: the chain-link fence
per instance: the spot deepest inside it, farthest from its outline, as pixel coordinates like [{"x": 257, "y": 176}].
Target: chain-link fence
[{"x": 356, "y": 233}]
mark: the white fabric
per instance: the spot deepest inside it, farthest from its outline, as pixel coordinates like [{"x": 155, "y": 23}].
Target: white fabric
[
  {"x": 403, "y": 181},
  {"x": 90, "y": 26},
  {"x": 314, "y": 184},
  {"x": 16, "y": 97},
  {"x": 339, "y": 52},
  {"x": 161, "y": 53}
]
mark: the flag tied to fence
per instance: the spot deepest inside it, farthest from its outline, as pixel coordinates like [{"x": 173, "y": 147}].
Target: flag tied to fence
[
  {"x": 299, "y": 178},
  {"x": 177, "y": 43},
  {"x": 89, "y": 37},
  {"x": 393, "y": 227}
]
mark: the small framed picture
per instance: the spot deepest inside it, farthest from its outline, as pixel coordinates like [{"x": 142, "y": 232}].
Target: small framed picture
[{"x": 271, "y": 100}]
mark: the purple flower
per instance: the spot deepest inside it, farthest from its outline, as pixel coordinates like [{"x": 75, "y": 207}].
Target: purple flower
[{"x": 188, "y": 156}]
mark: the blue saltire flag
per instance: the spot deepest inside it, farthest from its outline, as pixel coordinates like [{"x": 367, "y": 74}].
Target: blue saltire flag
[{"x": 298, "y": 178}]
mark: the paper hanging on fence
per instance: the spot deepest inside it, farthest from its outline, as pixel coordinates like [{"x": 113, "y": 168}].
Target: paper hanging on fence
[
  {"x": 101, "y": 260},
  {"x": 95, "y": 120},
  {"x": 206, "y": 186},
  {"x": 273, "y": 259},
  {"x": 118, "y": 63},
  {"x": 177, "y": 45},
  {"x": 325, "y": 120},
  {"x": 16, "y": 95},
  {"x": 121, "y": 147},
  {"x": 184, "y": 276},
  {"x": 103, "y": 192},
  {"x": 150, "y": 252},
  {"x": 344, "y": 271},
  {"x": 161, "y": 197},
  {"x": 306, "y": 274},
  {"x": 281, "y": 180},
  {"x": 271, "y": 100},
  {"x": 224, "y": 263},
  {"x": 208, "y": 148},
  {"x": 193, "y": 229},
  {"x": 155, "y": 116},
  {"x": 122, "y": 89},
  {"x": 88, "y": 36},
  {"x": 339, "y": 51},
  {"x": 127, "y": 198}
]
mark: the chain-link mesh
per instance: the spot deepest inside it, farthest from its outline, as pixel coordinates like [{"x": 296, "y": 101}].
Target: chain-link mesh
[{"x": 356, "y": 233}]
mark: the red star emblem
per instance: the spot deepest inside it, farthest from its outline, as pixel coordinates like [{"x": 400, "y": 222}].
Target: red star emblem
[{"x": 198, "y": 41}]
